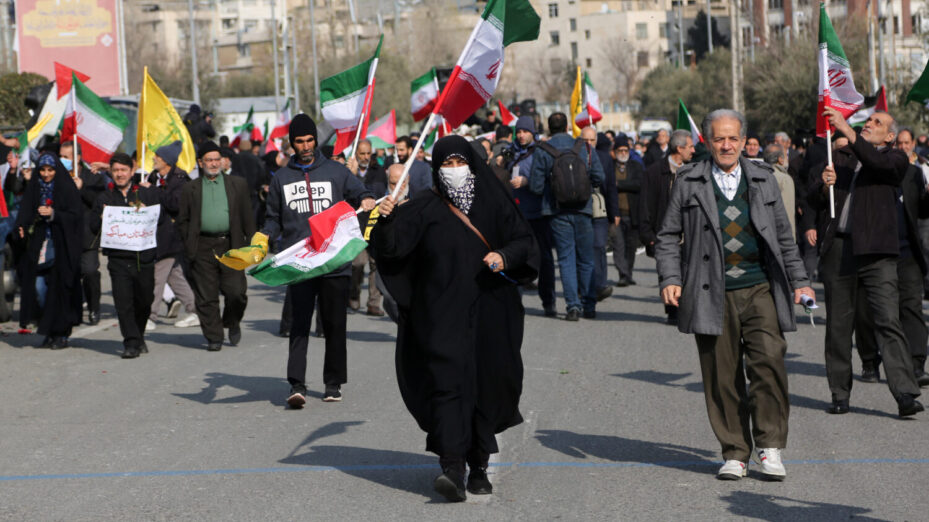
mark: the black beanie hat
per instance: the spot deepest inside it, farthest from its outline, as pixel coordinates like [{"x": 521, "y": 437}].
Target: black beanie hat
[
  {"x": 301, "y": 125},
  {"x": 207, "y": 146}
]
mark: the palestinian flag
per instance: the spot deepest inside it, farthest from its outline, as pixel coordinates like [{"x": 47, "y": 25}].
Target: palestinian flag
[
  {"x": 685, "y": 122},
  {"x": 591, "y": 108},
  {"x": 346, "y": 100},
  {"x": 836, "y": 85},
  {"x": 872, "y": 104},
  {"x": 282, "y": 127},
  {"x": 98, "y": 126},
  {"x": 383, "y": 132},
  {"x": 506, "y": 117},
  {"x": 474, "y": 78},
  {"x": 425, "y": 92},
  {"x": 247, "y": 131},
  {"x": 335, "y": 239}
]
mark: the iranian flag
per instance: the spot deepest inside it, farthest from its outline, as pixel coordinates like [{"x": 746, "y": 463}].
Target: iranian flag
[
  {"x": 247, "y": 131},
  {"x": 475, "y": 77},
  {"x": 591, "y": 113},
  {"x": 282, "y": 127},
  {"x": 346, "y": 100},
  {"x": 383, "y": 132},
  {"x": 836, "y": 85},
  {"x": 425, "y": 92},
  {"x": 335, "y": 239},
  {"x": 53, "y": 109},
  {"x": 685, "y": 122},
  {"x": 506, "y": 117},
  {"x": 98, "y": 126},
  {"x": 875, "y": 103}
]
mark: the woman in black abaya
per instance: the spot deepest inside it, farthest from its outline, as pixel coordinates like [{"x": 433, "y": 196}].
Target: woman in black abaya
[
  {"x": 461, "y": 316},
  {"x": 48, "y": 231}
]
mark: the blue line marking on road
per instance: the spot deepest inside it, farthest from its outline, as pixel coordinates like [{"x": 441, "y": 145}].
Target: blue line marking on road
[{"x": 395, "y": 467}]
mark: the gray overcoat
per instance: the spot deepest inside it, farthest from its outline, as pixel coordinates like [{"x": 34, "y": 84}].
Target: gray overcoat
[{"x": 697, "y": 264}]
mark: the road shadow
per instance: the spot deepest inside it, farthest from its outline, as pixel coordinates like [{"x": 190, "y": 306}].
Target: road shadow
[
  {"x": 371, "y": 337},
  {"x": 639, "y": 318},
  {"x": 254, "y": 389},
  {"x": 375, "y": 465},
  {"x": 796, "y": 401},
  {"x": 271, "y": 326},
  {"x": 776, "y": 508},
  {"x": 621, "y": 449}
]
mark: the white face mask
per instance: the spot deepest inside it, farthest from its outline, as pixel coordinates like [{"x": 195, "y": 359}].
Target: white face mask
[{"x": 454, "y": 177}]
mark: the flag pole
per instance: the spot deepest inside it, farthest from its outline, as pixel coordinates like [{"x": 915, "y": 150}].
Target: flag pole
[
  {"x": 409, "y": 161},
  {"x": 142, "y": 162},
  {"x": 77, "y": 163},
  {"x": 829, "y": 162}
]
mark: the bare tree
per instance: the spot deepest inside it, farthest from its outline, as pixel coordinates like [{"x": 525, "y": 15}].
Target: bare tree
[{"x": 624, "y": 68}]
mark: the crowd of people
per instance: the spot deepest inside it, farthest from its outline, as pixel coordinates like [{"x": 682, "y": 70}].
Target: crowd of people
[{"x": 739, "y": 226}]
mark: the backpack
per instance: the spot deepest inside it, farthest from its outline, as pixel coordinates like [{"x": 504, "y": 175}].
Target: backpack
[{"x": 570, "y": 182}]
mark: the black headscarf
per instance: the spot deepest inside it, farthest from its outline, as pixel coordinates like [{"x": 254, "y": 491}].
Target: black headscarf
[{"x": 445, "y": 148}]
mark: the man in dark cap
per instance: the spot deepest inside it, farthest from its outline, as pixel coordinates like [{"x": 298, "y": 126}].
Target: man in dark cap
[
  {"x": 215, "y": 216},
  {"x": 309, "y": 184}
]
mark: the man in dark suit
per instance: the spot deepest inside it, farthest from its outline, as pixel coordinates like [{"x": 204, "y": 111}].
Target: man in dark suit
[
  {"x": 216, "y": 216},
  {"x": 859, "y": 251}
]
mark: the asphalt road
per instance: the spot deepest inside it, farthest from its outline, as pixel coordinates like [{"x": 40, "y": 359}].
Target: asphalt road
[{"x": 615, "y": 429}]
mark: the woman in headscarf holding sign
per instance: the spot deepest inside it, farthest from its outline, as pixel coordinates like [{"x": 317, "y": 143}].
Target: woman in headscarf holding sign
[
  {"x": 452, "y": 257},
  {"x": 49, "y": 232}
]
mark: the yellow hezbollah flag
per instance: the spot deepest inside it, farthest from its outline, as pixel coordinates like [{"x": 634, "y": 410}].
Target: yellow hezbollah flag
[
  {"x": 577, "y": 103},
  {"x": 159, "y": 125}
]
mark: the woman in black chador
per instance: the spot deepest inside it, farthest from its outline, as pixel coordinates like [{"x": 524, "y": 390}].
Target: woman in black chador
[
  {"x": 48, "y": 233},
  {"x": 452, "y": 257}
]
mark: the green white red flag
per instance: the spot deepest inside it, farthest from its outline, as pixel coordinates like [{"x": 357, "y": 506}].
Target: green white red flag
[
  {"x": 98, "y": 126},
  {"x": 591, "y": 113},
  {"x": 282, "y": 127},
  {"x": 383, "y": 132},
  {"x": 247, "y": 131},
  {"x": 335, "y": 239},
  {"x": 685, "y": 122},
  {"x": 346, "y": 100},
  {"x": 836, "y": 85},
  {"x": 506, "y": 117},
  {"x": 474, "y": 78},
  {"x": 424, "y": 93}
]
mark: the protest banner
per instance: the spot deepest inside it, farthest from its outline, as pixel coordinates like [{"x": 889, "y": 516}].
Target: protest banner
[{"x": 128, "y": 228}]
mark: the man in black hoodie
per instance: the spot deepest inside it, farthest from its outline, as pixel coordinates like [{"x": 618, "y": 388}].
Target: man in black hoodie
[{"x": 308, "y": 185}]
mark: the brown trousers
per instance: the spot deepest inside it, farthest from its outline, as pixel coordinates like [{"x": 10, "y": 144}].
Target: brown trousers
[{"x": 751, "y": 345}]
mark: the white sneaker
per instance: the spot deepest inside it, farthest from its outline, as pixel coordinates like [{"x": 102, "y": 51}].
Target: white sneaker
[
  {"x": 174, "y": 308},
  {"x": 190, "y": 320},
  {"x": 150, "y": 326},
  {"x": 771, "y": 465},
  {"x": 732, "y": 470}
]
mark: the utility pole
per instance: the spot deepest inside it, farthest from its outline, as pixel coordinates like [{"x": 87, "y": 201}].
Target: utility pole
[
  {"x": 277, "y": 76},
  {"x": 680, "y": 32},
  {"x": 195, "y": 76},
  {"x": 872, "y": 62},
  {"x": 315, "y": 66},
  {"x": 121, "y": 48},
  {"x": 736, "y": 39},
  {"x": 881, "y": 22},
  {"x": 293, "y": 60},
  {"x": 285, "y": 56},
  {"x": 5, "y": 36},
  {"x": 709, "y": 26}
]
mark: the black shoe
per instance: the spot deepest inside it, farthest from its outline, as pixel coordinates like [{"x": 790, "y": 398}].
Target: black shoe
[
  {"x": 450, "y": 484},
  {"x": 235, "y": 335},
  {"x": 870, "y": 372},
  {"x": 622, "y": 282},
  {"x": 478, "y": 484},
  {"x": 838, "y": 407},
  {"x": 297, "y": 396},
  {"x": 61, "y": 343},
  {"x": 130, "y": 353},
  {"x": 333, "y": 393},
  {"x": 214, "y": 347},
  {"x": 550, "y": 312},
  {"x": 573, "y": 315},
  {"x": 604, "y": 292},
  {"x": 48, "y": 342},
  {"x": 143, "y": 348},
  {"x": 630, "y": 282},
  {"x": 590, "y": 314},
  {"x": 93, "y": 318},
  {"x": 908, "y": 405},
  {"x": 922, "y": 379},
  {"x": 283, "y": 333}
]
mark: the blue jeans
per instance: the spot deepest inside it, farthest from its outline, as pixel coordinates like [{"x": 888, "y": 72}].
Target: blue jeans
[{"x": 573, "y": 235}]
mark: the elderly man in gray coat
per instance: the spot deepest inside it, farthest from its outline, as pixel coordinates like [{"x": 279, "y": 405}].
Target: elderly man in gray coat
[{"x": 733, "y": 278}]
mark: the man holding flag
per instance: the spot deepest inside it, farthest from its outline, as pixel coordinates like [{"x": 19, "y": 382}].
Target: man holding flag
[{"x": 308, "y": 185}]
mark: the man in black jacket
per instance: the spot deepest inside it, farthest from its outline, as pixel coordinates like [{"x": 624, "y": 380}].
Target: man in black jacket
[
  {"x": 362, "y": 165},
  {"x": 308, "y": 185},
  {"x": 608, "y": 215},
  {"x": 624, "y": 235},
  {"x": 132, "y": 273},
  {"x": 859, "y": 250}
]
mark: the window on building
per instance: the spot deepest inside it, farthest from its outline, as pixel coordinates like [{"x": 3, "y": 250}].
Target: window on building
[
  {"x": 555, "y": 65},
  {"x": 556, "y": 39},
  {"x": 589, "y": 62},
  {"x": 553, "y": 10},
  {"x": 245, "y": 51},
  {"x": 228, "y": 24},
  {"x": 641, "y": 31},
  {"x": 572, "y": 23},
  {"x": 587, "y": 34},
  {"x": 574, "y": 51},
  {"x": 663, "y": 30},
  {"x": 896, "y": 24},
  {"x": 642, "y": 58},
  {"x": 338, "y": 42},
  {"x": 775, "y": 4}
]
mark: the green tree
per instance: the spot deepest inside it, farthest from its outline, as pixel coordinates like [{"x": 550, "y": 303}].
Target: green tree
[
  {"x": 696, "y": 36},
  {"x": 13, "y": 90}
]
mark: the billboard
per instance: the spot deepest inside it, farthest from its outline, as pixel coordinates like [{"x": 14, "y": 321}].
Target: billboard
[{"x": 81, "y": 34}]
